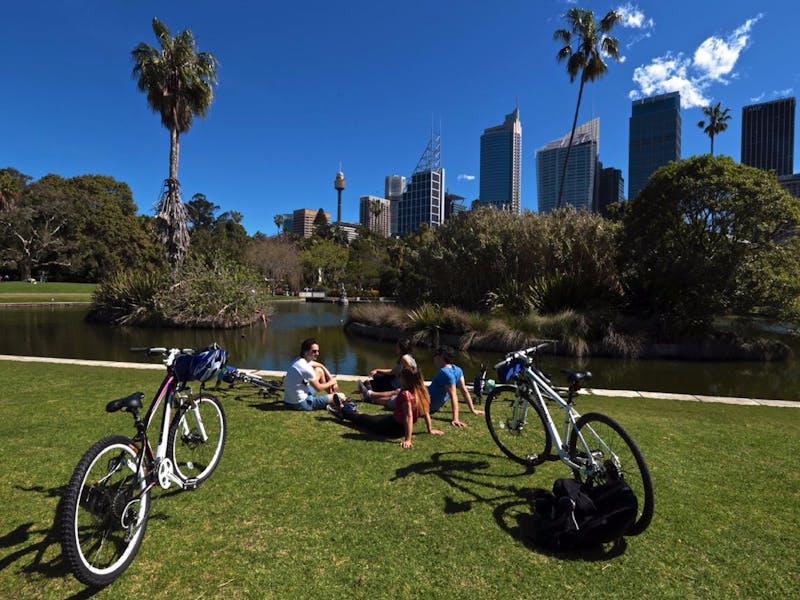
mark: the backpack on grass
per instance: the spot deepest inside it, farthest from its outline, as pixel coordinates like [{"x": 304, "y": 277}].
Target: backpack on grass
[{"x": 575, "y": 517}]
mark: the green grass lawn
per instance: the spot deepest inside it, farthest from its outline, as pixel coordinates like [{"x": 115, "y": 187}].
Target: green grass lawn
[
  {"x": 301, "y": 506},
  {"x": 22, "y": 291}
]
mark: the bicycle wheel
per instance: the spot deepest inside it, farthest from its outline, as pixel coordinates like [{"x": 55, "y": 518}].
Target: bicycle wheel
[
  {"x": 197, "y": 437},
  {"x": 619, "y": 458},
  {"x": 104, "y": 512},
  {"x": 517, "y": 426}
]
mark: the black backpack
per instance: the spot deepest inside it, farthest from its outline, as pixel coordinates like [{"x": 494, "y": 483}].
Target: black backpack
[{"x": 575, "y": 517}]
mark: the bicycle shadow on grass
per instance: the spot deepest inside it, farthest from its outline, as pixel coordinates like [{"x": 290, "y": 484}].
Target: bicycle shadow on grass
[
  {"x": 469, "y": 473},
  {"x": 26, "y": 540}
]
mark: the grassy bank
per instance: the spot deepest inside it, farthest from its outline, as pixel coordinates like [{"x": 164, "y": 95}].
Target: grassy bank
[
  {"x": 21, "y": 291},
  {"x": 302, "y": 506}
]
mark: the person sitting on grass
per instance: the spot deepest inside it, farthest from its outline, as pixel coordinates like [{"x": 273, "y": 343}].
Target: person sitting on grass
[
  {"x": 308, "y": 384},
  {"x": 445, "y": 382},
  {"x": 412, "y": 402},
  {"x": 384, "y": 384},
  {"x": 444, "y": 386}
]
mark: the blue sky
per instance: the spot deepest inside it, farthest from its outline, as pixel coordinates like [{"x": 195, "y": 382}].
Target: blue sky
[{"x": 305, "y": 86}]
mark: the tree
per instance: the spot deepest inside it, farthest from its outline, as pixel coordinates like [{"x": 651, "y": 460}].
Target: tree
[
  {"x": 35, "y": 230},
  {"x": 321, "y": 226},
  {"x": 278, "y": 222},
  {"x": 200, "y": 212},
  {"x": 12, "y": 182},
  {"x": 277, "y": 259},
  {"x": 707, "y": 236},
  {"x": 179, "y": 83},
  {"x": 584, "y": 58},
  {"x": 717, "y": 121}
]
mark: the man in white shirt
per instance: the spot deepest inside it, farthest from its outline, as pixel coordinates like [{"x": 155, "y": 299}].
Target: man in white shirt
[{"x": 308, "y": 384}]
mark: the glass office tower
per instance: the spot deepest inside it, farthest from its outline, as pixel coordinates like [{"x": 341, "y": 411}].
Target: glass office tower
[
  {"x": 654, "y": 138},
  {"x": 768, "y": 136},
  {"x": 501, "y": 164},
  {"x": 581, "y": 180}
]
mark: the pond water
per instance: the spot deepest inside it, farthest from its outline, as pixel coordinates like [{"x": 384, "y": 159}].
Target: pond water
[{"x": 62, "y": 332}]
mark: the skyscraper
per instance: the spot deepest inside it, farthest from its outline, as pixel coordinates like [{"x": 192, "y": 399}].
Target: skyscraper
[
  {"x": 581, "y": 178},
  {"x": 374, "y": 214},
  {"x": 654, "y": 138},
  {"x": 395, "y": 187},
  {"x": 768, "y": 136},
  {"x": 611, "y": 188},
  {"x": 501, "y": 160},
  {"x": 423, "y": 200}
]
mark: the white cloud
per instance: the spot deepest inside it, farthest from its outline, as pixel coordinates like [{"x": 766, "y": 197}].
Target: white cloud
[
  {"x": 713, "y": 62},
  {"x": 773, "y": 95},
  {"x": 466, "y": 177},
  {"x": 716, "y": 57},
  {"x": 631, "y": 16}
]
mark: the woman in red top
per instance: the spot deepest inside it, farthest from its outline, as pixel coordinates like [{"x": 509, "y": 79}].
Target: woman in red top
[{"x": 412, "y": 401}]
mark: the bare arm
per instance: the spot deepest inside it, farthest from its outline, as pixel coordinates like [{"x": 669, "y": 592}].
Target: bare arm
[
  {"x": 463, "y": 387},
  {"x": 429, "y": 425},
  {"x": 408, "y": 425},
  {"x": 451, "y": 391}
]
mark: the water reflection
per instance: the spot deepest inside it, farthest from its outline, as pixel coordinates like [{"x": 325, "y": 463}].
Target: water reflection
[{"x": 62, "y": 332}]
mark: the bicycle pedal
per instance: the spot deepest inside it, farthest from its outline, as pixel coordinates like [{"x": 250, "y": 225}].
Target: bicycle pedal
[{"x": 191, "y": 484}]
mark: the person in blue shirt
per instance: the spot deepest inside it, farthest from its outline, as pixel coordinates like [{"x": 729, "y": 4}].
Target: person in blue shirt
[{"x": 445, "y": 384}]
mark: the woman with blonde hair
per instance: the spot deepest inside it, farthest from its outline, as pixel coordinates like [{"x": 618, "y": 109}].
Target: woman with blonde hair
[{"x": 412, "y": 402}]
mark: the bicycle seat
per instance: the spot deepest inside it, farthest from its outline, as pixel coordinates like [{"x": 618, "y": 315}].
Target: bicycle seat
[
  {"x": 129, "y": 403},
  {"x": 576, "y": 376}
]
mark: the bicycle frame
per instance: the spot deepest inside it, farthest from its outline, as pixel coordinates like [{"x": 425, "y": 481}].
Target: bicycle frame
[
  {"x": 534, "y": 383},
  {"x": 166, "y": 395}
]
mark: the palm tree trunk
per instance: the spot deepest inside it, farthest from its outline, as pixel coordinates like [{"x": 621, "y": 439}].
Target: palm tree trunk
[
  {"x": 174, "y": 146},
  {"x": 569, "y": 147},
  {"x": 712, "y": 144}
]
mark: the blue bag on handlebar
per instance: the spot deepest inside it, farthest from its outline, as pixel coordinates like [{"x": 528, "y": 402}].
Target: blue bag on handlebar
[{"x": 509, "y": 370}]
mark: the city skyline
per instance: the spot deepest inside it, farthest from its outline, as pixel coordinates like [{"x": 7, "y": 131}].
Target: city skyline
[{"x": 297, "y": 97}]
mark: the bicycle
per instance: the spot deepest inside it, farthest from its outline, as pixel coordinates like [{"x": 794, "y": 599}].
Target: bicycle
[
  {"x": 594, "y": 445},
  {"x": 266, "y": 387},
  {"x": 107, "y": 502}
]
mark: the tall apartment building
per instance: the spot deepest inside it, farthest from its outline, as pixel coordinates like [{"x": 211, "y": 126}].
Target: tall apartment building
[
  {"x": 375, "y": 214},
  {"x": 501, "y": 164},
  {"x": 654, "y": 138},
  {"x": 303, "y": 221},
  {"x": 768, "y": 136},
  {"x": 581, "y": 178},
  {"x": 423, "y": 200}
]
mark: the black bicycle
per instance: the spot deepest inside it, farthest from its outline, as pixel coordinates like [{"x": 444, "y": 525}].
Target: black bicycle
[
  {"x": 266, "y": 387},
  {"x": 107, "y": 501}
]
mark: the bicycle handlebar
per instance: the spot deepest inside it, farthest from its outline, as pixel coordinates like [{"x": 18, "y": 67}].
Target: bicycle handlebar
[
  {"x": 524, "y": 353},
  {"x": 152, "y": 351}
]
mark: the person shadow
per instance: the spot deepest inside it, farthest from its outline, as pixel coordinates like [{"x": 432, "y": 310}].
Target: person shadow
[{"x": 470, "y": 477}]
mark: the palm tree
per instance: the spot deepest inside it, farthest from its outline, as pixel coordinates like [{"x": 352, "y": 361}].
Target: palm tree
[
  {"x": 717, "y": 121},
  {"x": 585, "y": 58},
  {"x": 179, "y": 83},
  {"x": 278, "y": 222}
]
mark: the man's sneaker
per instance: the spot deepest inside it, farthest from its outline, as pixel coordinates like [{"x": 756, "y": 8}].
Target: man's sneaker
[
  {"x": 364, "y": 391},
  {"x": 337, "y": 401},
  {"x": 349, "y": 408},
  {"x": 336, "y": 412}
]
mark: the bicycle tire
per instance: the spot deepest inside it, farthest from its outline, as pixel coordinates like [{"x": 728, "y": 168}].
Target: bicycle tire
[
  {"x": 597, "y": 426},
  {"x": 192, "y": 457},
  {"x": 527, "y": 443},
  {"x": 96, "y": 542}
]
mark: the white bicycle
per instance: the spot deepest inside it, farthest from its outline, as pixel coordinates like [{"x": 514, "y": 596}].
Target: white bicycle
[
  {"x": 106, "y": 504},
  {"x": 594, "y": 446}
]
